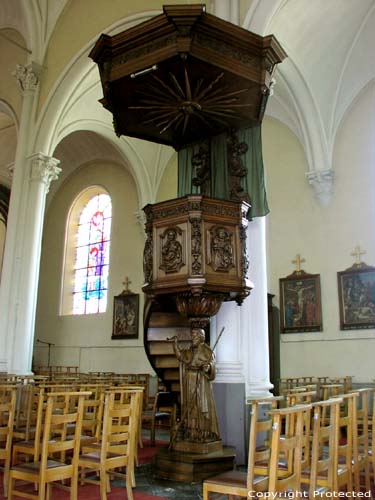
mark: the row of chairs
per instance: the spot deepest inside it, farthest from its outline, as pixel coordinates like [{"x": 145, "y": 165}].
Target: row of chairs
[
  {"x": 314, "y": 449},
  {"x": 320, "y": 384},
  {"x": 72, "y": 432}
]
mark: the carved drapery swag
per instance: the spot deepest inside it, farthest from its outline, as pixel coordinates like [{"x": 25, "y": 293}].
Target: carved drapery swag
[{"x": 236, "y": 172}]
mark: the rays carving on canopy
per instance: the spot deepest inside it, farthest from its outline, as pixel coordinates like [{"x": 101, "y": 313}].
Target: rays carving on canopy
[{"x": 173, "y": 104}]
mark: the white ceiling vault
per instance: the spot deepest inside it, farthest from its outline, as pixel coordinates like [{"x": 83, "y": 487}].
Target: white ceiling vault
[
  {"x": 330, "y": 46},
  {"x": 331, "y": 60}
]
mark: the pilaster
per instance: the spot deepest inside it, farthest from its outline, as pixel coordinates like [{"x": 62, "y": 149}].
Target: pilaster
[
  {"x": 254, "y": 316},
  {"x": 19, "y": 279},
  {"x": 42, "y": 170}
]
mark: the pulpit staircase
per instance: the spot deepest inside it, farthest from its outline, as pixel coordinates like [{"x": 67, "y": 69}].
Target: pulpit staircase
[{"x": 162, "y": 322}]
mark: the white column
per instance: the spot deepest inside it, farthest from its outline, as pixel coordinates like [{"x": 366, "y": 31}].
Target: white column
[
  {"x": 18, "y": 289},
  {"x": 229, "y": 365},
  {"x": 242, "y": 352},
  {"x": 42, "y": 170},
  {"x": 254, "y": 315}
]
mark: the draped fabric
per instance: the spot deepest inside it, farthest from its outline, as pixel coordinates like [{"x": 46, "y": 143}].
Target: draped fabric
[
  {"x": 185, "y": 171},
  {"x": 253, "y": 183}
]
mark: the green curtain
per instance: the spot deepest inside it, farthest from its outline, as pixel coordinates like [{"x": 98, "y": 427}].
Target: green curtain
[
  {"x": 253, "y": 183},
  {"x": 219, "y": 167}
]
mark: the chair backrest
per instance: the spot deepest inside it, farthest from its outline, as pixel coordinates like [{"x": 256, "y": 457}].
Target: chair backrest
[
  {"x": 57, "y": 440},
  {"x": 348, "y": 444},
  {"x": 35, "y": 416},
  {"x": 287, "y": 443},
  {"x": 7, "y": 415},
  {"x": 260, "y": 434},
  {"x": 300, "y": 397},
  {"x": 93, "y": 416},
  {"x": 324, "y": 454},
  {"x": 120, "y": 424}
]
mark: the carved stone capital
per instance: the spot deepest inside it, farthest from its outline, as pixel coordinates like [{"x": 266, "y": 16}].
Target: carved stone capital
[
  {"x": 141, "y": 219},
  {"x": 27, "y": 76},
  {"x": 44, "y": 169},
  {"x": 322, "y": 182}
]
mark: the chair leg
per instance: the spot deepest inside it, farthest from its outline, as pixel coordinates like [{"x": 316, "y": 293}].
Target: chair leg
[
  {"x": 152, "y": 432},
  {"x": 74, "y": 487},
  {"x": 205, "y": 491},
  {"x": 129, "y": 489},
  {"x": 42, "y": 491},
  {"x": 9, "y": 493},
  {"x": 103, "y": 485},
  {"x": 6, "y": 475},
  {"x": 132, "y": 475}
]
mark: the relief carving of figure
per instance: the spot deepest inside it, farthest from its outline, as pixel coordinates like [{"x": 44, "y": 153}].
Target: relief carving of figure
[
  {"x": 221, "y": 249},
  {"x": 197, "y": 370},
  {"x": 171, "y": 252}
]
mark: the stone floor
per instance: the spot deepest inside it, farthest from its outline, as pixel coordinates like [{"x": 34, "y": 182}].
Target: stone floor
[{"x": 148, "y": 483}]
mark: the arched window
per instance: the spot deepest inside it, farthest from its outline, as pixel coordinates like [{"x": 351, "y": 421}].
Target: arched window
[{"x": 87, "y": 253}]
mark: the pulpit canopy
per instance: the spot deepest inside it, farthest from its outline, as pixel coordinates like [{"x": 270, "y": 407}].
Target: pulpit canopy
[{"x": 185, "y": 75}]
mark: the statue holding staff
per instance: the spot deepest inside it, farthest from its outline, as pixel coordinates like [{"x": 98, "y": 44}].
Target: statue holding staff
[{"x": 198, "y": 411}]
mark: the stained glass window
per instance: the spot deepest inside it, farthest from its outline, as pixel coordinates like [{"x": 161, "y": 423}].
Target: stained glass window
[{"x": 92, "y": 256}]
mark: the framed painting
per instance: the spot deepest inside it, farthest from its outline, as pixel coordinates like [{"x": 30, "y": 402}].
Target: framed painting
[
  {"x": 300, "y": 303},
  {"x": 357, "y": 297},
  {"x": 125, "y": 316}
]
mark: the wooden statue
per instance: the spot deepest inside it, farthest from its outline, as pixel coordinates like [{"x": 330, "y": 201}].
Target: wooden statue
[{"x": 198, "y": 422}]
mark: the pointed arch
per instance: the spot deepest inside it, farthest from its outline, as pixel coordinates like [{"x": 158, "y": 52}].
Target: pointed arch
[{"x": 87, "y": 251}]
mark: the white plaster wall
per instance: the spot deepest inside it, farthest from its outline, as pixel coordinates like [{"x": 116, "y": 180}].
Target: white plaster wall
[
  {"x": 85, "y": 341},
  {"x": 11, "y": 54},
  {"x": 324, "y": 236}
]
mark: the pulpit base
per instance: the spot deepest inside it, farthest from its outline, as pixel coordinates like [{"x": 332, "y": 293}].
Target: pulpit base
[
  {"x": 200, "y": 448},
  {"x": 192, "y": 467}
]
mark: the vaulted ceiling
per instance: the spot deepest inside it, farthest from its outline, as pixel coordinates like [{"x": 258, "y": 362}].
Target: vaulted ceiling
[{"x": 330, "y": 46}]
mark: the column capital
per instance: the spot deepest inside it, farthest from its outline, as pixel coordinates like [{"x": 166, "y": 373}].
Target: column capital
[
  {"x": 322, "y": 182},
  {"x": 44, "y": 168},
  {"x": 141, "y": 219},
  {"x": 27, "y": 76}
]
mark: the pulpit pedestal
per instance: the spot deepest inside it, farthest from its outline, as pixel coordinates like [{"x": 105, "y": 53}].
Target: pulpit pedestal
[{"x": 192, "y": 467}]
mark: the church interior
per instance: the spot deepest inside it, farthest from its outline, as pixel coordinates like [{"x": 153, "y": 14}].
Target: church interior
[{"x": 86, "y": 190}]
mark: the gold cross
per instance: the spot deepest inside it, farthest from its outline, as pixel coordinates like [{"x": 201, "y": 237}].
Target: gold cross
[
  {"x": 298, "y": 262},
  {"x": 126, "y": 283},
  {"x": 357, "y": 254}
]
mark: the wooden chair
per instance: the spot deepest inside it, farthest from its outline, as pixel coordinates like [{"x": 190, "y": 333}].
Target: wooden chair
[
  {"x": 7, "y": 415},
  {"x": 347, "y": 448},
  {"x": 163, "y": 413},
  {"x": 92, "y": 419},
  {"x": 331, "y": 390},
  {"x": 361, "y": 444},
  {"x": 372, "y": 440},
  {"x": 122, "y": 395},
  {"x": 289, "y": 445},
  {"x": 49, "y": 469},
  {"x": 118, "y": 443},
  {"x": 300, "y": 397},
  {"x": 260, "y": 429},
  {"x": 31, "y": 445},
  {"x": 322, "y": 474}
]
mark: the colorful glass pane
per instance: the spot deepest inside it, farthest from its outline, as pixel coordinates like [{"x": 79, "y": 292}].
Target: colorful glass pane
[{"x": 92, "y": 256}]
